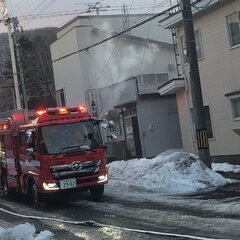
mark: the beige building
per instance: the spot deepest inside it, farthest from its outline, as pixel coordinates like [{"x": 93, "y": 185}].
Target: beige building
[{"x": 217, "y": 33}]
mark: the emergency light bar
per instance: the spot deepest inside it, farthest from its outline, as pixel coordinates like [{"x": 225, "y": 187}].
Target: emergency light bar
[
  {"x": 61, "y": 111},
  {"x": 83, "y": 108}
]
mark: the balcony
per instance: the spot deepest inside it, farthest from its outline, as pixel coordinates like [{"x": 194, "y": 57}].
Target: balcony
[{"x": 172, "y": 86}]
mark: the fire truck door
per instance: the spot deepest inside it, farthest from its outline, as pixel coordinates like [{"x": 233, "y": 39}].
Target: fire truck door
[
  {"x": 2, "y": 158},
  {"x": 9, "y": 149},
  {"x": 23, "y": 159}
]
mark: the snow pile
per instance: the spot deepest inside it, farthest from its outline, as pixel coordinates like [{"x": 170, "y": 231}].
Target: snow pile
[
  {"x": 24, "y": 232},
  {"x": 169, "y": 172},
  {"x": 225, "y": 167}
]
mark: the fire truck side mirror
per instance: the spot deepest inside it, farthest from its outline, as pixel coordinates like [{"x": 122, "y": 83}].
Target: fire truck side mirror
[
  {"x": 30, "y": 134},
  {"x": 104, "y": 124},
  {"x": 111, "y": 124},
  {"x": 113, "y": 137},
  {"x": 30, "y": 152},
  {"x": 107, "y": 124}
]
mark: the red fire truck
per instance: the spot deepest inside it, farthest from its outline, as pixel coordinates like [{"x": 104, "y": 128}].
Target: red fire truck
[{"x": 56, "y": 150}]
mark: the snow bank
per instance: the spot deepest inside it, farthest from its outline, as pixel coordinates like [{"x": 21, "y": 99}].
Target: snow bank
[
  {"x": 169, "y": 173},
  {"x": 225, "y": 167},
  {"x": 24, "y": 232}
]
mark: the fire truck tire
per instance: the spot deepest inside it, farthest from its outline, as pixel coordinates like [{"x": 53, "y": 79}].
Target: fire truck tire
[
  {"x": 7, "y": 192},
  {"x": 97, "y": 191},
  {"x": 36, "y": 197}
]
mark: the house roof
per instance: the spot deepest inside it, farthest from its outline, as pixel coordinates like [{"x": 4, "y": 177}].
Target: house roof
[
  {"x": 199, "y": 8},
  {"x": 100, "y": 16},
  {"x": 144, "y": 40},
  {"x": 123, "y": 36}
]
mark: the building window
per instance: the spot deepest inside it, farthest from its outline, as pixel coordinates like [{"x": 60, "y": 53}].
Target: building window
[
  {"x": 208, "y": 122},
  {"x": 235, "y": 102},
  {"x": 198, "y": 46},
  {"x": 234, "y": 29}
]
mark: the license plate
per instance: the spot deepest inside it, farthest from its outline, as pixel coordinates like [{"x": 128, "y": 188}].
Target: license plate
[{"x": 68, "y": 183}]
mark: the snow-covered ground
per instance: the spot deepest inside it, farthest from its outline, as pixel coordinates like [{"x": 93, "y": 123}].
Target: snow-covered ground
[
  {"x": 24, "y": 232},
  {"x": 171, "y": 173},
  {"x": 226, "y": 167}
]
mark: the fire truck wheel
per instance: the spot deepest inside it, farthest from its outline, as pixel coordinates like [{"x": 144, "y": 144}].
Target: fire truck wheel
[
  {"x": 97, "y": 191},
  {"x": 35, "y": 195},
  {"x": 7, "y": 192}
]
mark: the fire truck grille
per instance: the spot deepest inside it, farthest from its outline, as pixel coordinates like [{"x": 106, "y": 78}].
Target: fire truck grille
[{"x": 75, "y": 169}]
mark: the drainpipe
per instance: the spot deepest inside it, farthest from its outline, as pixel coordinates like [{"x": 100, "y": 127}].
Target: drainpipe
[
  {"x": 125, "y": 134},
  {"x": 140, "y": 133}
]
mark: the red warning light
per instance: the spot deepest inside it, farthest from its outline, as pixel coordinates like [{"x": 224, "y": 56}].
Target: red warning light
[
  {"x": 63, "y": 111},
  {"x": 83, "y": 108},
  {"x": 40, "y": 113}
]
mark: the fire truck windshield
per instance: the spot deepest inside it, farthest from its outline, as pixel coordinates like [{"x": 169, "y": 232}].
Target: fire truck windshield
[{"x": 69, "y": 137}]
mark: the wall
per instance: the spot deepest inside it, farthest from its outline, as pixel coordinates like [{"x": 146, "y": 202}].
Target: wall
[
  {"x": 219, "y": 72},
  {"x": 161, "y": 114}
]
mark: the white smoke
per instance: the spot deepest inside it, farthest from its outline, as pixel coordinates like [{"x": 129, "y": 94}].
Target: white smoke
[{"x": 119, "y": 59}]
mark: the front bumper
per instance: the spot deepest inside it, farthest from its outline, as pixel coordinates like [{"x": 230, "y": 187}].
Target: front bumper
[{"x": 84, "y": 182}]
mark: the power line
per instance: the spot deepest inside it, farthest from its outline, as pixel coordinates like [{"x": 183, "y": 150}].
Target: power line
[
  {"x": 106, "y": 77},
  {"x": 73, "y": 12},
  {"x": 19, "y": 5},
  {"x": 40, "y": 11},
  {"x": 36, "y": 8},
  {"x": 144, "y": 50},
  {"x": 30, "y": 17},
  {"x": 116, "y": 35}
]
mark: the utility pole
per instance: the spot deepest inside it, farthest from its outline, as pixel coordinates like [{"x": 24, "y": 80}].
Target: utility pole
[
  {"x": 14, "y": 68},
  {"x": 6, "y": 20},
  {"x": 13, "y": 41},
  {"x": 15, "y": 23},
  {"x": 198, "y": 107}
]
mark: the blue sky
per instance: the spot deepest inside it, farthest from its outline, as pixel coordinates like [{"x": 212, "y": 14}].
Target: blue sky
[{"x": 41, "y": 13}]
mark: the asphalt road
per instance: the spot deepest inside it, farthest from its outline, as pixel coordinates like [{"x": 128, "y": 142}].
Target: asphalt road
[{"x": 195, "y": 215}]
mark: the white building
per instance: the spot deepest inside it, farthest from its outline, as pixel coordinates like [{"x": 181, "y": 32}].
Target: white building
[{"x": 119, "y": 77}]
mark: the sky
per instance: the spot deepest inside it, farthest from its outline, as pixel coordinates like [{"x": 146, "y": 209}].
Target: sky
[
  {"x": 42, "y": 13},
  {"x": 171, "y": 172}
]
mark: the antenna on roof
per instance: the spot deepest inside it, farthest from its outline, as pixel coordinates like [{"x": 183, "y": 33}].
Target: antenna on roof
[{"x": 97, "y": 6}]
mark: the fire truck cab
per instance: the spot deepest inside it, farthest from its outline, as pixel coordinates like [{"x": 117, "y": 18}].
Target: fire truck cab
[{"x": 56, "y": 150}]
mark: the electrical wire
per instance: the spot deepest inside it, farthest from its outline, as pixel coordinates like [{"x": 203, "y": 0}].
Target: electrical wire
[
  {"x": 115, "y": 35},
  {"x": 19, "y": 5},
  {"x": 25, "y": 17},
  {"x": 107, "y": 78},
  {"x": 31, "y": 17},
  {"x": 39, "y": 12},
  {"x": 143, "y": 16},
  {"x": 144, "y": 50},
  {"x": 36, "y": 8}
]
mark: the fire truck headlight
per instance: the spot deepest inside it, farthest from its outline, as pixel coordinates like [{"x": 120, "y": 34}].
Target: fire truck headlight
[
  {"x": 102, "y": 178},
  {"x": 50, "y": 186}
]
